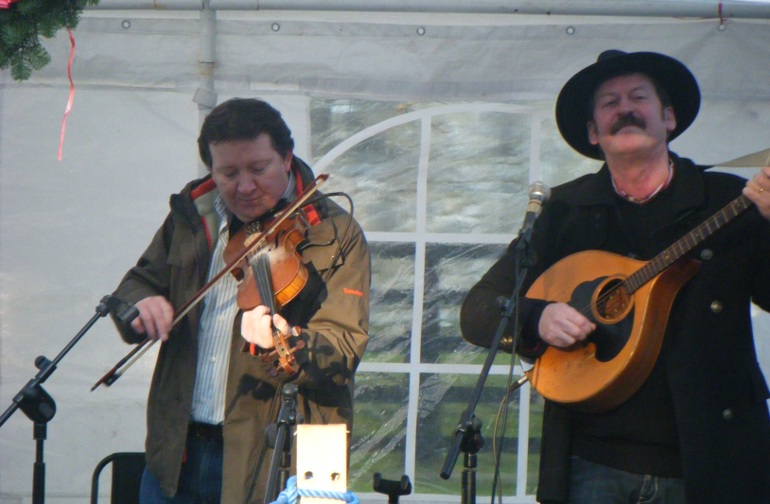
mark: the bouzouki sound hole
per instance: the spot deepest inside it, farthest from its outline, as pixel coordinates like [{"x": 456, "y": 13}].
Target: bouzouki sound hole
[{"x": 611, "y": 301}]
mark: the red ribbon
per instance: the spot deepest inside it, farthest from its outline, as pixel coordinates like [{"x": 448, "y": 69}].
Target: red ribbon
[{"x": 72, "y": 93}]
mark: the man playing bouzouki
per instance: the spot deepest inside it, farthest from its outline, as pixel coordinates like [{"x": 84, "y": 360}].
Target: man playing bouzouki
[{"x": 667, "y": 403}]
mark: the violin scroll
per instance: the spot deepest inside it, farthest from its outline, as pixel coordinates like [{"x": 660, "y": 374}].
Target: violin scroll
[{"x": 283, "y": 353}]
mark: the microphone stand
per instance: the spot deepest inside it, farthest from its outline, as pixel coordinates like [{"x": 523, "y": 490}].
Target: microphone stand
[
  {"x": 468, "y": 432},
  {"x": 278, "y": 436},
  {"x": 39, "y": 406}
]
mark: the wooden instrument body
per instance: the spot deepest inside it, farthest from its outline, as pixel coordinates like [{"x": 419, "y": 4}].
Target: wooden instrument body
[{"x": 619, "y": 355}]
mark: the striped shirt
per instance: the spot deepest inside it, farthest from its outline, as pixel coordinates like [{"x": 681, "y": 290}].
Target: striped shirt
[{"x": 216, "y": 328}]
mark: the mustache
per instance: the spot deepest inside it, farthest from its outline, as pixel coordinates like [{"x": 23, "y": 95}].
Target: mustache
[{"x": 627, "y": 120}]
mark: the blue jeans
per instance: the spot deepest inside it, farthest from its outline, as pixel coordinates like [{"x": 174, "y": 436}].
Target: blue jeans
[
  {"x": 200, "y": 481},
  {"x": 597, "y": 484}
]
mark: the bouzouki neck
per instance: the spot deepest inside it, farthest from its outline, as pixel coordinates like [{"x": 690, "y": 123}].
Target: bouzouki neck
[{"x": 687, "y": 243}]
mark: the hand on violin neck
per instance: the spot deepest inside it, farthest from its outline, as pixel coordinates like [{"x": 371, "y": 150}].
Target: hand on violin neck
[
  {"x": 257, "y": 327},
  {"x": 155, "y": 317}
]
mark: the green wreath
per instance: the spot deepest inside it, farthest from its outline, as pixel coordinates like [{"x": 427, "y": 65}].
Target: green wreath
[{"x": 23, "y": 22}]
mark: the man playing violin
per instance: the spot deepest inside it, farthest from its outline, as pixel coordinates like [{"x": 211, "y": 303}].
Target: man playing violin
[
  {"x": 213, "y": 395},
  {"x": 696, "y": 428}
]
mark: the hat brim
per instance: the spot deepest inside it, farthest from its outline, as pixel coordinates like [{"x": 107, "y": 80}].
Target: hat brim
[{"x": 572, "y": 114}]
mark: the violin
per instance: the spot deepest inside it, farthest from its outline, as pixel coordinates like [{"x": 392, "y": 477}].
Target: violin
[
  {"x": 248, "y": 249},
  {"x": 272, "y": 275}
]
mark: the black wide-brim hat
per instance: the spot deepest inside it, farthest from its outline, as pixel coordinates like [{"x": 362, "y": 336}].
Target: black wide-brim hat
[{"x": 572, "y": 112}]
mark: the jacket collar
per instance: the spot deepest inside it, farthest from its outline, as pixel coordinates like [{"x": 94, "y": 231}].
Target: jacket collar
[{"x": 687, "y": 187}]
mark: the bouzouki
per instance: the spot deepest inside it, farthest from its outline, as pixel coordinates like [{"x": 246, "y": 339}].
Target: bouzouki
[{"x": 629, "y": 300}]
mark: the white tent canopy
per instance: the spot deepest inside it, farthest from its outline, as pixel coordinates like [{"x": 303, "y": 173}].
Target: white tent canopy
[
  {"x": 144, "y": 74},
  {"x": 654, "y": 8}
]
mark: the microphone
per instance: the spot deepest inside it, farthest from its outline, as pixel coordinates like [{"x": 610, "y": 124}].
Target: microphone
[
  {"x": 538, "y": 194},
  {"x": 124, "y": 311}
]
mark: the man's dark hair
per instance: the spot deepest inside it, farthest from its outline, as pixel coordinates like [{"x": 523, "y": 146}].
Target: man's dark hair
[{"x": 243, "y": 119}]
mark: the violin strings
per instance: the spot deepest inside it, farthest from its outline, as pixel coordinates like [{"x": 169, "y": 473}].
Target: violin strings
[{"x": 263, "y": 278}]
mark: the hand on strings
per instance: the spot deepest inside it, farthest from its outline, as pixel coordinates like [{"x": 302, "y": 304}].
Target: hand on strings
[
  {"x": 758, "y": 191},
  {"x": 562, "y": 326},
  {"x": 155, "y": 317},
  {"x": 257, "y": 327}
]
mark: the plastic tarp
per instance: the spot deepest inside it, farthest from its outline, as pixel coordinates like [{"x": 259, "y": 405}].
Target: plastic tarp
[{"x": 70, "y": 228}]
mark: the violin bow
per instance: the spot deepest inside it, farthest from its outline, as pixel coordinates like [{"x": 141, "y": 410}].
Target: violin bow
[{"x": 141, "y": 348}]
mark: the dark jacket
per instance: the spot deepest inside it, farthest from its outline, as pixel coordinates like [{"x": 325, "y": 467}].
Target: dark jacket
[
  {"x": 708, "y": 356},
  {"x": 332, "y": 310}
]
